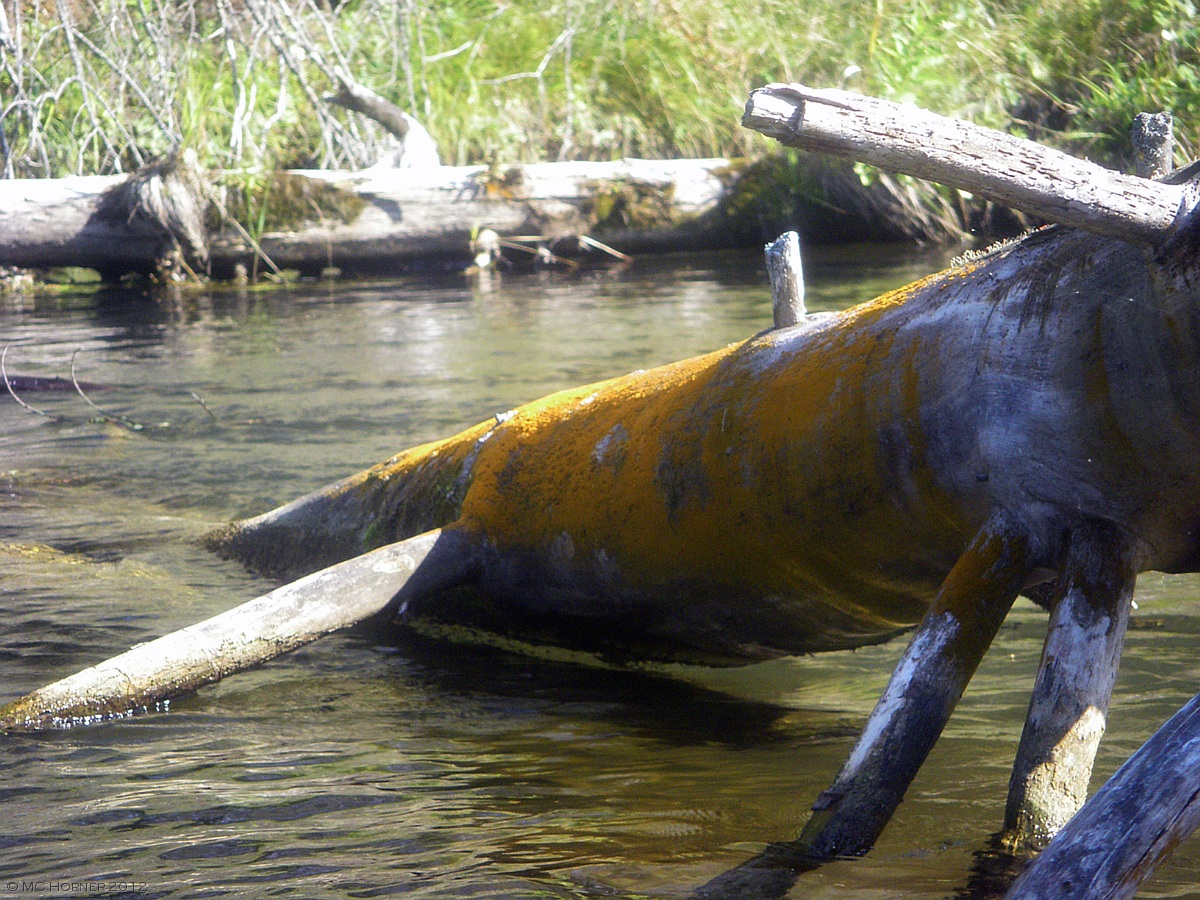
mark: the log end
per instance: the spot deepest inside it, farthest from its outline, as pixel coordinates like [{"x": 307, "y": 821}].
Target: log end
[{"x": 36, "y": 712}]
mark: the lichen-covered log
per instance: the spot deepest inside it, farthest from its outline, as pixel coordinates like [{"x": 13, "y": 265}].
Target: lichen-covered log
[{"x": 743, "y": 504}]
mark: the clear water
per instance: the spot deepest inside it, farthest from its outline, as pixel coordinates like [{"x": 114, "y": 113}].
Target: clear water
[{"x": 376, "y": 763}]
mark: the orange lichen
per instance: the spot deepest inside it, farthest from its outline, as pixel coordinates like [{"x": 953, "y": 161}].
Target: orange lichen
[{"x": 753, "y": 466}]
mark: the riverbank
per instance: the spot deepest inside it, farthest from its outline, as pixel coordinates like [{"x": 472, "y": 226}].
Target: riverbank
[
  {"x": 255, "y": 88},
  {"x": 99, "y": 87}
]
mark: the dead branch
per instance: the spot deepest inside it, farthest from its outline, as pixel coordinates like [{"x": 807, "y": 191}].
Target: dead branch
[{"x": 998, "y": 166}]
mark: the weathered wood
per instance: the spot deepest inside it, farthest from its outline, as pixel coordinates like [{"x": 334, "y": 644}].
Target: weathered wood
[
  {"x": 1153, "y": 137},
  {"x": 983, "y": 161},
  {"x": 404, "y": 215},
  {"x": 59, "y": 222},
  {"x": 246, "y": 635},
  {"x": 787, "y": 279},
  {"x": 1069, "y": 706},
  {"x": 922, "y": 693},
  {"x": 417, "y": 148},
  {"x": 1132, "y": 823}
]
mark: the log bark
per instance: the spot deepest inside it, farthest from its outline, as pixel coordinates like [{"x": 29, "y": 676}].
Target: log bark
[
  {"x": 59, "y": 222},
  {"x": 403, "y": 215},
  {"x": 1132, "y": 823},
  {"x": 1153, "y": 136},
  {"x": 259, "y": 630},
  {"x": 998, "y": 166}
]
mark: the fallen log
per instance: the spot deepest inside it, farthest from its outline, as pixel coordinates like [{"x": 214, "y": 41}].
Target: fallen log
[
  {"x": 143, "y": 678},
  {"x": 917, "y": 460},
  {"x": 382, "y": 218},
  {"x": 408, "y": 215},
  {"x": 111, "y": 224}
]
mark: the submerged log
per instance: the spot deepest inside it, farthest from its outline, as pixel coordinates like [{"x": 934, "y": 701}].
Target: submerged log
[{"x": 289, "y": 617}]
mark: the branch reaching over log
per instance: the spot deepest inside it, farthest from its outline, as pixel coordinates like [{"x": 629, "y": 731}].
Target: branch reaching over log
[
  {"x": 417, "y": 147},
  {"x": 1007, "y": 169}
]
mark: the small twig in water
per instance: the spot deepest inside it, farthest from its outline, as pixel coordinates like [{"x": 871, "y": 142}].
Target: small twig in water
[
  {"x": 603, "y": 248},
  {"x": 13, "y": 394},
  {"x": 543, "y": 255},
  {"x": 107, "y": 416},
  {"x": 204, "y": 405}
]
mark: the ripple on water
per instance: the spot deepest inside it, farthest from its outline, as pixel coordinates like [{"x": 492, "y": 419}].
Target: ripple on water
[{"x": 374, "y": 763}]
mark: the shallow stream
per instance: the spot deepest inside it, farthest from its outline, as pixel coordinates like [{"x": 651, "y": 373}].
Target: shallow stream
[{"x": 376, "y": 762}]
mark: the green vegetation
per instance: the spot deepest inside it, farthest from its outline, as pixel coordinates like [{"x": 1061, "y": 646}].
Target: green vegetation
[{"x": 96, "y": 86}]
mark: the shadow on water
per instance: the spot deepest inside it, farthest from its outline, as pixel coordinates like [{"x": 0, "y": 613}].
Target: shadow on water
[
  {"x": 667, "y": 709},
  {"x": 772, "y": 873}
]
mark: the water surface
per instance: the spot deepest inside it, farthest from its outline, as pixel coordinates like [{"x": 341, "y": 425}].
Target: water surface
[{"x": 376, "y": 762}]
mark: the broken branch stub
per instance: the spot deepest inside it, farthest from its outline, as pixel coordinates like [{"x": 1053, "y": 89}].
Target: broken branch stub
[
  {"x": 1000, "y": 167},
  {"x": 1153, "y": 137},
  {"x": 787, "y": 279}
]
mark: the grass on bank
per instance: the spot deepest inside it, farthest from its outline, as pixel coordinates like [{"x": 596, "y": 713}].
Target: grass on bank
[{"x": 98, "y": 86}]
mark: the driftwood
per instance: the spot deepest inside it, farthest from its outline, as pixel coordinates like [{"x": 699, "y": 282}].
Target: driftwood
[
  {"x": 289, "y": 617},
  {"x": 1133, "y": 822},
  {"x": 1074, "y": 684},
  {"x": 1007, "y": 169},
  {"x": 918, "y": 460},
  {"x": 384, "y": 218},
  {"x": 416, "y": 149}
]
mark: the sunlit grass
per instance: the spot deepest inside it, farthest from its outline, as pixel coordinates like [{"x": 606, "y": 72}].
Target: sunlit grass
[{"x": 105, "y": 85}]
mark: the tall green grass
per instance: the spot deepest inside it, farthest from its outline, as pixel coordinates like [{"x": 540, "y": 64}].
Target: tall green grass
[{"x": 93, "y": 86}]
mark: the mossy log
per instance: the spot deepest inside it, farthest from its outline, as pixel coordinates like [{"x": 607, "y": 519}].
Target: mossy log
[{"x": 379, "y": 220}]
